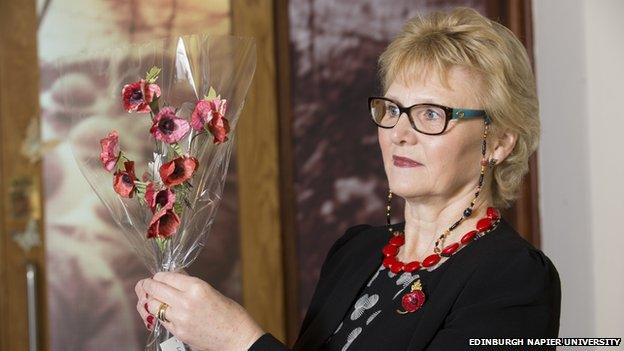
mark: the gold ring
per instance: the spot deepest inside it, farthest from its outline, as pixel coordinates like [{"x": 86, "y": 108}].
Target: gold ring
[{"x": 161, "y": 312}]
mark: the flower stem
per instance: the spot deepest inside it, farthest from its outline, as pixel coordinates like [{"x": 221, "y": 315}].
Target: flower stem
[
  {"x": 193, "y": 139},
  {"x": 161, "y": 244}
]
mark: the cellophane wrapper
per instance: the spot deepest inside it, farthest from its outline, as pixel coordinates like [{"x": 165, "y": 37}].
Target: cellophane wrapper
[{"x": 191, "y": 65}]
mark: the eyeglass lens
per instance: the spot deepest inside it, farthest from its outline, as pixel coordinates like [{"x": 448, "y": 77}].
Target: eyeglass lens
[{"x": 427, "y": 118}]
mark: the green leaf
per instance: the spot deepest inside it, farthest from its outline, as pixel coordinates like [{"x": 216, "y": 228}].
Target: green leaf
[
  {"x": 211, "y": 94},
  {"x": 119, "y": 165},
  {"x": 152, "y": 74},
  {"x": 139, "y": 193},
  {"x": 176, "y": 148},
  {"x": 161, "y": 244},
  {"x": 154, "y": 106},
  {"x": 177, "y": 208}
]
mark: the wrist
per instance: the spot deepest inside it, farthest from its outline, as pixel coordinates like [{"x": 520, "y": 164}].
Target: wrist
[{"x": 255, "y": 332}]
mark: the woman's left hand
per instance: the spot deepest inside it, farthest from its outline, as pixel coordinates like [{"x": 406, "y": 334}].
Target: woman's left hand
[{"x": 198, "y": 314}]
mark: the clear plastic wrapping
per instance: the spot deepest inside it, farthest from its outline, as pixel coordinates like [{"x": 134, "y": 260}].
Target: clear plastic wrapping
[{"x": 192, "y": 68}]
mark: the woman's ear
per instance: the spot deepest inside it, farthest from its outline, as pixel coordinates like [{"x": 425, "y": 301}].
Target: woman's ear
[{"x": 502, "y": 146}]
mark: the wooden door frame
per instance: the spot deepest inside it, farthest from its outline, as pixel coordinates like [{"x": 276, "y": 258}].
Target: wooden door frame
[
  {"x": 19, "y": 105},
  {"x": 265, "y": 178}
]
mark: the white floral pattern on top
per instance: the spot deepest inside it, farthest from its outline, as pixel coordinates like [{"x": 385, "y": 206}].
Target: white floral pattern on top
[
  {"x": 370, "y": 319},
  {"x": 406, "y": 279},
  {"x": 363, "y": 306},
  {"x": 354, "y": 334},
  {"x": 365, "y": 302},
  {"x": 375, "y": 276}
]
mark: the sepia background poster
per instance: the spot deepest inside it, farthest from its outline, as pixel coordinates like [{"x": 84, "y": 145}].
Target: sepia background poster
[{"x": 91, "y": 268}]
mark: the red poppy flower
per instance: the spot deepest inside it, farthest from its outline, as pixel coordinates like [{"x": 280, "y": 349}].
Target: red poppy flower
[
  {"x": 110, "y": 150},
  {"x": 164, "y": 224},
  {"x": 123, "y": 183},
  {"x": 164, "y": 197},
  {"x": 138, "y": 95},
  {"x": 178, "y": 171},
  {"x": 413, "y": 300},
  {"x": 212, "y": 113},
  {"x": 168, "y": 127},
  {"x": 219, "y": 127},
  {"x": 205, "y": 110}
]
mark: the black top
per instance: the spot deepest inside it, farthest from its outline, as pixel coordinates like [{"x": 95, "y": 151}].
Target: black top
[
  {"x": 375, "y": 310},
  {"x": 498, "y": 286}
]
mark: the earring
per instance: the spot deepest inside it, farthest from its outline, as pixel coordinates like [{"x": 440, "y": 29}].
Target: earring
[
  {"x": 388, "y": 209},
  {"x": 492, "y": 162}
]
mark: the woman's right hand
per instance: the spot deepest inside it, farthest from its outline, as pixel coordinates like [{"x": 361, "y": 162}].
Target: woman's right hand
[
  {"x": 198, "y": 315},
  {"x": 142, "y": 297}
]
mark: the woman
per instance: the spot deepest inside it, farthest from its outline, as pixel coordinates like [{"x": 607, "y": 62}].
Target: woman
[{"x": 456, "y": 126}]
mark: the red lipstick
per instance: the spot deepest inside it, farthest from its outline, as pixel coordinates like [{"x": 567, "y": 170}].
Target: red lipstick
[{"x": 404, "y": 162}]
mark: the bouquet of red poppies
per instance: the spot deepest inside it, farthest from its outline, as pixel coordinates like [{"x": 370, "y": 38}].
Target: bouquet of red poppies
[
  {"x": 156, "y": 145},
  {"x": 165, "y": 191}
]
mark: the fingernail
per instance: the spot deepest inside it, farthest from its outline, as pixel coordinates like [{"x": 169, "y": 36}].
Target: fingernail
[
  {"x": 150, "y": 319},
  {"x": 146, "y": 307}
]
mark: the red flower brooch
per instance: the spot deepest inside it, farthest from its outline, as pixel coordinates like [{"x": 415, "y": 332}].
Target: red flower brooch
[{"x": 414, "y": 299}]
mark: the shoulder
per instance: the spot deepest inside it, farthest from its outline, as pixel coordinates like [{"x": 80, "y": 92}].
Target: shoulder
[
  {"x": 347, "y": 237},
  {"x": 506, "y": 288},
  {"x": 510, "y": 272},
  {"x": 357, "y": 240},
  {"x": 508, "y": 256}
]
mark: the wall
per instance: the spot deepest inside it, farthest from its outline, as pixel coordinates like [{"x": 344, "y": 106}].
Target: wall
[
  {"x": 579, "y": 55},
  {"x": 605, "y": 74}
]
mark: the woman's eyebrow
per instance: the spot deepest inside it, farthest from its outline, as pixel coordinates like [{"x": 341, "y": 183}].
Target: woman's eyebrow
[
  {"x": 428, "y": 101},
  {"x": 424, "y": 101}
]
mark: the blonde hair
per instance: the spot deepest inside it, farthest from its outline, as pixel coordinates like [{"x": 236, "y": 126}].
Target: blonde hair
[{"x": 465, "y": 38}]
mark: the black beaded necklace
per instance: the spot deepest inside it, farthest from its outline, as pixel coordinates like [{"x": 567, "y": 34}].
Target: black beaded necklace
[{"x": 468, "y": 211}]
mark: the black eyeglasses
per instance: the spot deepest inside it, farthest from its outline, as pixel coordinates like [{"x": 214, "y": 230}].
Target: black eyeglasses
[{"x": 430, "y": 119}]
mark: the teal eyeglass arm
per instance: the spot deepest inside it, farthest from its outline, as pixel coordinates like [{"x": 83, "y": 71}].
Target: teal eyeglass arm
[{"x": 462, "y": 113}]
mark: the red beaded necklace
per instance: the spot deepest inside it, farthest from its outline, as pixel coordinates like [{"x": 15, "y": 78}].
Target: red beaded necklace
[
  {"x": 390, "y": 251},
  {"x": 415, "y": 298}
]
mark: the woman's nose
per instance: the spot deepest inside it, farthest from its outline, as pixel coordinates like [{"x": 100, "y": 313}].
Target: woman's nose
[{"x": 403, "y": 132}]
